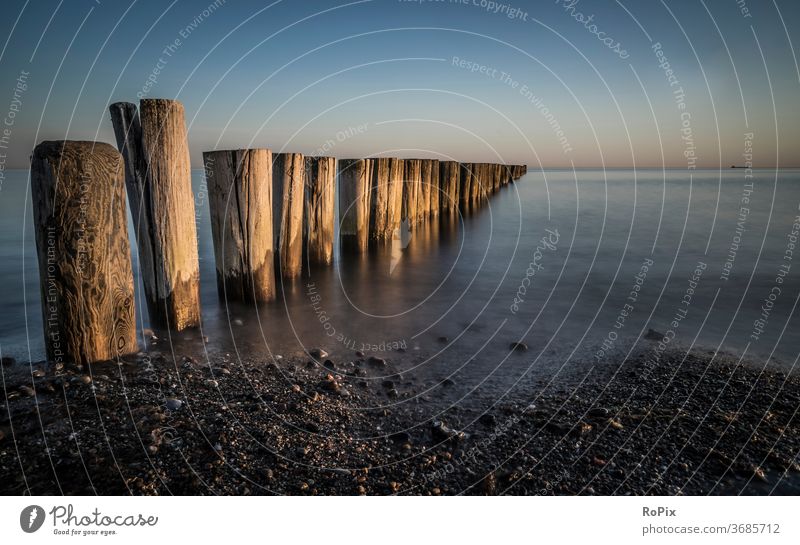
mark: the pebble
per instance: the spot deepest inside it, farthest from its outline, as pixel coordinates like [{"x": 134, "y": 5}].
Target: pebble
[
  {"x": 329, "y": 365},
  {"x": 238, "y": 321},
  {"x": 653, "y": 335},
  {"x": 86, "y": 379},
  {"x": 488, "y": 419},
  {"x": 174, "y": 404},
  {"x": 441, "y": 432},
  {"x": 443, "y": 339},
  {"x": 518, "y": 346},
  {"x": 317, "y": 353},
  {"x": 377, "y": 362},
  {"x": 400, "y": 437},
  {"x": 359, "y": 354},
  {"x": 598, "y": 412},
  {"x": 27, "y": 390}
]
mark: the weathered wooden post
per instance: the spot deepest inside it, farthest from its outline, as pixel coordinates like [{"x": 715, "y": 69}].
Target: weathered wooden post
[
  {"x": 450, "y": 181},
  {"x": 386, "y": 199},
  {"x": 355, "y": 177},
  {"x": 396, "y": 189},
  {"x": 158, "y": 178},
  {"x": 424, "y": 197},
  {"x": 466, "y": 180},
  {"x": 497, "y": 172},
  {"x": 412, "y": 190},
  {"x": 288, "y": 170},
  {"x": 240, "y": 203},
  {"x": 421, "y": 213},
  {"x": 486, "y": 180},
  {"x": 84, "y": 256},
  {"x": 435, "y": 190},
  {"x": 320, "y": 180},
  {"x": 381, "y": 226}
]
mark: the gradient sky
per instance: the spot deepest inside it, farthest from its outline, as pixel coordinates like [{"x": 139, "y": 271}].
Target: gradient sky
[{"x": 378, "y": 77}]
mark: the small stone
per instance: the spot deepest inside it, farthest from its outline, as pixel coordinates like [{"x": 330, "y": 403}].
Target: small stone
[
  {"x": 86, "y": 379},
  {"x": 616, "y": 424},
  {"x": 174, "y": 404},
  {"x": 443, "y": 339},
  {"x": 359, "y": 354},
  {"x": 39, "y": 373},
  {"x": 392, "y": 393},
  {"x": 296, "y": 388},
  {"x": 518, "y": 346},
  {"x": 598, "y": 412},
  {"x": 238, "y": 322},
  {"x": 653, "y": 335},
  {"x": 361, "y": 490},
  {"x": 400, "y": 437},
  {"x": 317, "y": 353},
  {"x": 303, "y": 487},
  {"x": 329, "y": 365},
  {"x": 441, "y": 432},
  {"x": 27, "y": 390},
  {"x": 598, "y": 461},
  {"x": 377, "y": 362},
  {"x": 448, "y": 382},
  {"x": 211, "y": 383},
  {"x": 488, "y": 419}
]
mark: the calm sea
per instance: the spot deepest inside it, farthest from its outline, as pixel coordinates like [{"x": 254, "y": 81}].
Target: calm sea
[{"x": 625, "y": 252}]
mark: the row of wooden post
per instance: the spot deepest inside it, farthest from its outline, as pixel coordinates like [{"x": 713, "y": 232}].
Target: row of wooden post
[{"x": 269, "y": 212}]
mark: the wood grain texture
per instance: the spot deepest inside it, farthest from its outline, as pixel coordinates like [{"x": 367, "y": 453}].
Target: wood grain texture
[
  {"x": 450, "y": 180},
  {"x": 85, "y": 272},
  {"x": 424, "y": 199},
  {"x": 411, "y": 191},
  {"x": 396, "y": 186},
  {"x": 381, "y": 227},
  {"x": 158, "y": 178},
  {"x": 240, "y": 204},
  {"x": 355, "y": 178},
  {"x": 435, "y": 195},
  {"x": 288, "y": 175},
  {"x": 466, "y": 181},
  {"x": 320, "y": 209}
]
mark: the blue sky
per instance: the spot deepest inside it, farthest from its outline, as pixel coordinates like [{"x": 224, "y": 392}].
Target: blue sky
[{"x": 394, "y": 77}]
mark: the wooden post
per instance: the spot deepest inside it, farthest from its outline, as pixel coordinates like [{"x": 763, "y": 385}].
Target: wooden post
[
  {"x": 435, "y": 189},
  {"x": 396, "y": 188},
  {"x": 427, "y": 175},
  {"x": 288, "y": 185},
  {"x": 355, "y": 177},
  {"x": 450, "y": 181},
  {"x": 240, "y": 203},
  {"x": 475, "y": 186},
  {"x": 495, "y": 177},
  {"x": 83, "y": 251},
  {"x": 158, "y": 178},
  {"x": 421, "y": 213},
  {"x": 466, "y": 180},
  {"x": 382, "y": 215},
  {"x": 411, "y": 190},
  {"x": 320, "y": 180}
]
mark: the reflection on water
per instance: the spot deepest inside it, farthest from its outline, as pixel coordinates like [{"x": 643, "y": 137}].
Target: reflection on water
[{"x": 447, "y": 301}]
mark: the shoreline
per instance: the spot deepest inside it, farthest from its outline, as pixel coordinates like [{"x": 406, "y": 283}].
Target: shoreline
[{"x": 359, "y": 425}]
